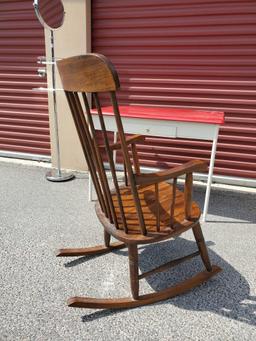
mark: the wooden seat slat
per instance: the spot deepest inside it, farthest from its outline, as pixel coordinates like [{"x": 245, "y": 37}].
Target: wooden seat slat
[{"x": 148, "y": 202}]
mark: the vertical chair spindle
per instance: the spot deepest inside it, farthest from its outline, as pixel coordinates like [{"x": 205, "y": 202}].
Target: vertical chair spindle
[
  {"x": 85, "y": 143},
  {"x": 101, "y": 170},
  {"x": 157, "y": 208},
  {"x": 135, "y": 159},
  {"x": 128, "y": 164},
  {"x": 110, "y": 159},
  {"x": 188, "y": 195},
  {"x": 125, "y": 175},
  {"x": 172, "y": 209}
]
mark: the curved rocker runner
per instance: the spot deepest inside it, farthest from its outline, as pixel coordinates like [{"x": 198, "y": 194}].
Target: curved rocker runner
[{"x": 148, "y": 208}]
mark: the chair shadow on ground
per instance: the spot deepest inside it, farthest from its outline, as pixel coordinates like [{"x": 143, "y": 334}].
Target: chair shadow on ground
[
  {"x": 237, "y": 207},
  {"x": 227, "y": 294}
]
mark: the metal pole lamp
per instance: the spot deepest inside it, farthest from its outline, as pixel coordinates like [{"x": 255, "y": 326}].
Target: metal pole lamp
[{"x": 51, "y": 15}]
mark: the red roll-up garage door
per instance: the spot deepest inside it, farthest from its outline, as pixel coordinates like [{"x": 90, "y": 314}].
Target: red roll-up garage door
[
  {"x": 191, "y": 54},
  {"x": 24, "y": 118}
]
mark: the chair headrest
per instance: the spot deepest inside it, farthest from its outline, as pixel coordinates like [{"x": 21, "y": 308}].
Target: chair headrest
[{"x": 88, "y": 73}]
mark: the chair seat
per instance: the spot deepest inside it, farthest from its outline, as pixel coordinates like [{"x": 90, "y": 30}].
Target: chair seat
[{"x": 150, "y": 207}]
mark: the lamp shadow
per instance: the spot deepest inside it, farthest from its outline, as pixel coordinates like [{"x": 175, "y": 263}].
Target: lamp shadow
[{"x": 227, "y": 294}]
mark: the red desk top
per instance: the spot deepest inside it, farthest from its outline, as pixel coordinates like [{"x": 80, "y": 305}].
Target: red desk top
[{"x": 172, "y": 114}]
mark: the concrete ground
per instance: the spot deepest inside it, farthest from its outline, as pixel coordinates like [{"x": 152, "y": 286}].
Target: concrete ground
[{"x": 38, "y": 216}]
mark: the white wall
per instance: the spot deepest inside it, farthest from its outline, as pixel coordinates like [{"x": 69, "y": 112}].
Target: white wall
[{"x": 73, "y": 38}]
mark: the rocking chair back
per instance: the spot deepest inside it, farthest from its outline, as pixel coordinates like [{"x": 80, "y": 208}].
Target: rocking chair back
[{"x": 93, "y": 73}]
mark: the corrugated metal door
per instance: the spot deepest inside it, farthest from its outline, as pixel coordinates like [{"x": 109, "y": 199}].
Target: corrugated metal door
[
  {"x": 24, "y": 118},
  {"x": 191, "y": 54}
]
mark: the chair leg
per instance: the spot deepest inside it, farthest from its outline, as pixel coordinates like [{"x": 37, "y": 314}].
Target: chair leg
[
  {"x": 134, "y": 272},
  {"x": 136, "y": 300},
  {"x": 198, "y": 234},
  {"x": 107, "y": 237}
]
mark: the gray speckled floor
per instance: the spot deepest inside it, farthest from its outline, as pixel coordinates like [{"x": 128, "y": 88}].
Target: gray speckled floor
[{"x": 38, "y": 216}]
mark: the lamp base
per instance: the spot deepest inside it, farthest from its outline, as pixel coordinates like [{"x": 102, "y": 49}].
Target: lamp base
[{"x": 55, "y": 175}]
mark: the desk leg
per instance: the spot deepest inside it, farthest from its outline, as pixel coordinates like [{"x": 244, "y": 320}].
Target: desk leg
[{"x": 209, "y": 181}]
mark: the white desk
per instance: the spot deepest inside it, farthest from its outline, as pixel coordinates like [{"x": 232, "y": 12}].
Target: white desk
[{"x": 168, "y": 122}]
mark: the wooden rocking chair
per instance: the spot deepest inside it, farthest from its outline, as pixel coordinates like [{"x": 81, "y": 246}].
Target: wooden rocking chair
[{"x": 147, "y": 209}]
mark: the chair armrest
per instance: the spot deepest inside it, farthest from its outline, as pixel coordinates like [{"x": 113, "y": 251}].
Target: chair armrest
[
  {"x": 130, "y": 140},
  {"x": 154, "y": 178}
]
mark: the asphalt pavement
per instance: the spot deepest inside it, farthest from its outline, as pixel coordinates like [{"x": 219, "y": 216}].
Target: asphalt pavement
[{"x": 38, "y": 217}]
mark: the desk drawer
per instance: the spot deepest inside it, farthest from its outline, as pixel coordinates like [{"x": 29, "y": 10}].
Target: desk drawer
[
  {"x": 161, "y": 128},
  {"x": 144, "y": 127}
]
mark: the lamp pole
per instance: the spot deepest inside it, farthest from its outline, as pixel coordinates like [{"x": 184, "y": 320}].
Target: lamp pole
[{"x": 55, "y": 175}]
